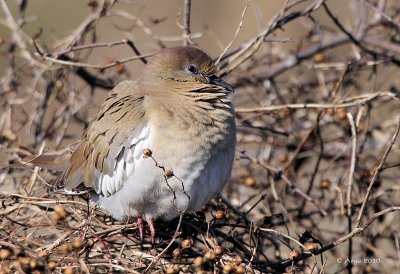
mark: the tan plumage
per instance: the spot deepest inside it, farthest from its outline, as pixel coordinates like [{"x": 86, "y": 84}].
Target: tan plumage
[
  {"x": 180, "y": 112},
  {"x": 120, "y": 115}
]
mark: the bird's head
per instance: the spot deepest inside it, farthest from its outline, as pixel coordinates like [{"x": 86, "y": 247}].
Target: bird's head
[{"x": 185, "y": 69}]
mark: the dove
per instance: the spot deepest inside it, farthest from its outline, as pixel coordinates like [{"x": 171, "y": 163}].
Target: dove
[{"x": 161, "y": 145}]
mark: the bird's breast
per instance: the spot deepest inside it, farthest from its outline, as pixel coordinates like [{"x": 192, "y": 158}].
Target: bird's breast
[
  {"x": 193, "y": 143},
  {"x": 190, "y": 135}
]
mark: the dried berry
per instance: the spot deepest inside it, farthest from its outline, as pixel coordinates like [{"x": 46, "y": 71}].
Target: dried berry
[
  {"x": 199, "y": 261},
  {"x": 147, "y": 152},
  {"x": 312, "y": 247},
  {"x": 325, "y": 184},
  {"x": 76, "y": 243},
  {"x": 187, "y": 243},
  {"x": 249, "y": 181},
  {"x": 210, "y": 256},
  {"x": 294, "y": 254},
  {"x": 219, "y": 214}
]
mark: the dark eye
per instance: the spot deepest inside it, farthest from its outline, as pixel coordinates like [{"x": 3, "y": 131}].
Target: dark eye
[{"x": 192, "y": 69}]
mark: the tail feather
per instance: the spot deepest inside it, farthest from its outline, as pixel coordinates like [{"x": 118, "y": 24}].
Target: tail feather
[
  {"x": 54, "y": 162},
  {"x": 49, "y": 161},
  {"x": 59, "y": 162}
]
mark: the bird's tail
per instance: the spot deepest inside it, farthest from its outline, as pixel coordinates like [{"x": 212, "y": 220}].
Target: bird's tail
[
  {"x": 54, "y": 162},
  {"x": 57, "y": 161}
]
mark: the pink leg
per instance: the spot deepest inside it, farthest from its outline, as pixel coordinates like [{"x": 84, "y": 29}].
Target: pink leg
[
  {"x": 152, "y": 230},
  {"x": 140, "y": 225}
]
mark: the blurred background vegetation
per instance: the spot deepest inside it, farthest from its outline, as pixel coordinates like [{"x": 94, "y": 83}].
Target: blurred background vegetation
[{"x": 315, "y": 186}]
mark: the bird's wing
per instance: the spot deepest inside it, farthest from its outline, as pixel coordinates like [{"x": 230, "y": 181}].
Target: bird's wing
[{"x": 106, "y": 155}]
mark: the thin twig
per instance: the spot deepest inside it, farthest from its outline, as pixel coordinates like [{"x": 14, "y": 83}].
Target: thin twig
[
  {"x": 283, "y": 235},
  {"x": 354, "y": 232},
  {"x": 352, "y": 162},
  {"x": 186, "y": 22},
  {"x": 98, "y": 66},
  {"x": 236, "y": 33},
  {"x": 351, "y": 102},
  {"x": 157, "y": 258},
  {"x": 376, "y": 173}
]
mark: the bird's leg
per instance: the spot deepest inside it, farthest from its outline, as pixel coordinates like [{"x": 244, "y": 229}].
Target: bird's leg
[
  {"x": 140, "y": 225},
  {"x": 152, "y": 230}
]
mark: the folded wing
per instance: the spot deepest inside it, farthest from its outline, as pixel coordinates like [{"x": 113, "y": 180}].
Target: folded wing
[{"x": 112, "y": 144}]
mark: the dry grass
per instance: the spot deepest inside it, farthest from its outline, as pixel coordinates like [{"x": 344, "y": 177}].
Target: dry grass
[{"x": 315, "y": 187}]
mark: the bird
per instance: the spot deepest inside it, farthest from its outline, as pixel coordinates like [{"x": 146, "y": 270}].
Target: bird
[{"x": 161, "y": 145}]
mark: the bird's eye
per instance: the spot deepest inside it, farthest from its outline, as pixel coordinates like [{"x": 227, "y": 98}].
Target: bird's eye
[{"x": 192, "y": 69}]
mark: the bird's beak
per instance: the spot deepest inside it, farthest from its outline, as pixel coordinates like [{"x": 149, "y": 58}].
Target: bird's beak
[{"x": 219, "y": 82}]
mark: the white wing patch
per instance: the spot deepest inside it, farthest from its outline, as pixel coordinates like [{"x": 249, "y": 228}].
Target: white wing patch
[{"x": 122, "y": 161}]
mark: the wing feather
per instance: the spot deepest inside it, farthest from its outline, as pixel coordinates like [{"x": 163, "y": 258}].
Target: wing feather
[{"x": 105, "y": 157}]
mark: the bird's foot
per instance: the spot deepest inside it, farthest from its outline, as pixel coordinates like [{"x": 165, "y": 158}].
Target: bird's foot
[
  {"x": 140, "y": 225},
  {"x": 152, "y": 230}
]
